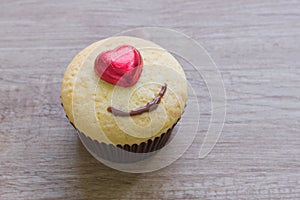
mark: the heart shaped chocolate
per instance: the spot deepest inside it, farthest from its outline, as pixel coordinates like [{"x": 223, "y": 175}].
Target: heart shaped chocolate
[{"x": 121, "y": 66}]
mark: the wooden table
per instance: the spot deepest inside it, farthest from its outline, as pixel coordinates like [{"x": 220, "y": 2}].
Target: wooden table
[{"x": 256, "y": 45}]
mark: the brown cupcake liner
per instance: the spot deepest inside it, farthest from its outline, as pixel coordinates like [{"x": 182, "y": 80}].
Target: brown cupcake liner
[{"x": 124, "y": 153}]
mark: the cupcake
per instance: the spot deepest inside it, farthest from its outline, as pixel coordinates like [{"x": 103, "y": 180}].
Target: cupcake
[{"x": 124, "y": 95}]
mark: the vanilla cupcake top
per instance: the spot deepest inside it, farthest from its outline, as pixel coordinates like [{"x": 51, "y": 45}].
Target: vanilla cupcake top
[{"x": 124, "y": 90}]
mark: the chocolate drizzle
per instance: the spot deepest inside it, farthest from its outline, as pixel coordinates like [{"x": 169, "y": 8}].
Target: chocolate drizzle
[{"x": 152, "y": 105}]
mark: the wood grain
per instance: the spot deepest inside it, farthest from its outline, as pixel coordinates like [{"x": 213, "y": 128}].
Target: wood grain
[{"x": 256, "y": 45}]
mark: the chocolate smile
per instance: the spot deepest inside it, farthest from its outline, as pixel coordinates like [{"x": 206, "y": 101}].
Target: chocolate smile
[{"x": 150, "y": 106}]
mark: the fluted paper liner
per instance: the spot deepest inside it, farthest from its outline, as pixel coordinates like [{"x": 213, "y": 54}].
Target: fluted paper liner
[{"x": 124, "y": 153}]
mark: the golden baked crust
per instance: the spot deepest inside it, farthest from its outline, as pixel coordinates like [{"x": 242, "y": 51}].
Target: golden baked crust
[
  {"x": 70, "y": 77},
  {"x": 85, "y": 97}
]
